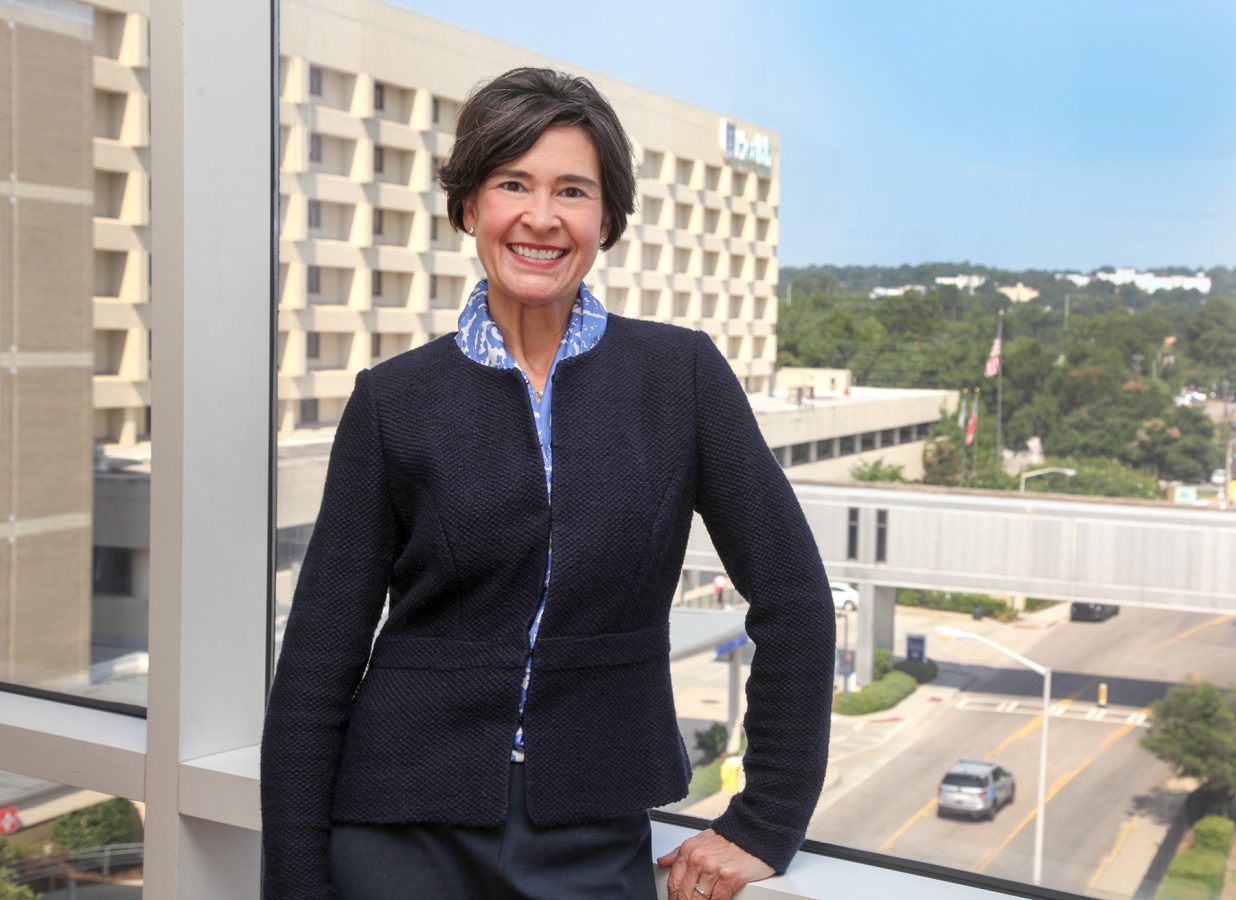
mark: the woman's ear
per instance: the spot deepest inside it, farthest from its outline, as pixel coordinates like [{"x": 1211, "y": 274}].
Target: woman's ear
[{"x": 469, "y": 214}]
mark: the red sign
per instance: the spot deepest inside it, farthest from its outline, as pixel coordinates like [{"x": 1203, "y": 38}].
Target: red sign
[{"x": 9, "y": 820}]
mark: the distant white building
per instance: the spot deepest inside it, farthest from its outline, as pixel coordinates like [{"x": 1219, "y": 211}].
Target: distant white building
[
  {"x": 967, "y": 283},
  {"x": 897, "y": 291},
  {"x": 1076, "y": 278},
  {"x": 1150, "y": 282}
]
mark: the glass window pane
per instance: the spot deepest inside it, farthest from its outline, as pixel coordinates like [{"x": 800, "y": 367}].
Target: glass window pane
[
  {"x": 841, "y": 356},
  {"x": 75, "y": 352},
  {"x": 61, "y": 841}
]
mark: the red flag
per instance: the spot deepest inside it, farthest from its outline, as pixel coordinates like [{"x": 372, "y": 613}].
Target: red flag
[
  {"x": 993, "y": 358},
  {"x": 972, "y": 425}
]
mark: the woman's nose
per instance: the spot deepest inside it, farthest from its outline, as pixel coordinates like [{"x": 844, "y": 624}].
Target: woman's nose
[{"x": 540, "y": 212}]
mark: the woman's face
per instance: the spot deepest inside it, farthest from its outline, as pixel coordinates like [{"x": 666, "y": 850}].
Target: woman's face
[{"x": 537, "y": 220}]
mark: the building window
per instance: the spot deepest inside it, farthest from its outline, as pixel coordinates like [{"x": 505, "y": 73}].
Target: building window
[
  {"x": 309, "y": 411},
  {"x": 375, "y": 281},
  {"x": 887, "y": 437},
  {"x": 851, "y": 540},
  {"x": 846, "y": 445},
  {"x": 905, "y": 434},
  {"x": 113, "y": 570},
  {"x": 315, "y": 81},
  {"x": 881, "y": 535},
  {"x": 375, "y": 345},
  {"x": 800, "y": 454},
  {"x": 315, "y": 148},
  {"x": 825, "y": 449},
  {"x": 313, "y": 345},
  {"x": 433, "y": 228},
  {"x": 315, "y": 214},
  {"x": 379, "y": 95},
  {"x": 315, "y": 280},
  {"x": 433, "y": 287},
  {"x": 922, "y": 430},
  {"x": 435, "y": 112},
  {"x": 868, "y": 441},
  {"x": 378, "y": 222},
  {"x": 379, "y": 159}
]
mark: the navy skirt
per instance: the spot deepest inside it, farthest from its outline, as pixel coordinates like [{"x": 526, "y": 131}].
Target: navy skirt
[{"x": 608, "y": 858}]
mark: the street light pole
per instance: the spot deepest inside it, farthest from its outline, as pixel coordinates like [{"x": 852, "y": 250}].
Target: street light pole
[
  {"x": 1026, "y": 476},
  {"x": 1045, "y": 671}
]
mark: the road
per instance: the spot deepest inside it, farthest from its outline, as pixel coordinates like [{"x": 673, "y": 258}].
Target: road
[
  {"x": 1098, "y": 779},
  {"x": 1109, "y": 801}
]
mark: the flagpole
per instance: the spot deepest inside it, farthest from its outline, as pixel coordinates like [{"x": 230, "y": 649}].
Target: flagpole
[
  {"x": 961, "y": 425},
  {"x": 1000, "y": 401},
  {"x": 977, "y": 391}
]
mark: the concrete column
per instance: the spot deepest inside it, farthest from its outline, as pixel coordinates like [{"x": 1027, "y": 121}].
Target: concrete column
[{"x": 877, "y": 607}]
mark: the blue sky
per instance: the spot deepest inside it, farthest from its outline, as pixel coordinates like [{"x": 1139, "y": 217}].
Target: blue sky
[{"x": 1049, "y": 134}]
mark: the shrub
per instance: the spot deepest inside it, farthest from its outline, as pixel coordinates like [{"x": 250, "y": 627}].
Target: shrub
[
  {"x": 109, "y": 822},
  {"x": 883, "y": 662},
  {"x": 957, "y": 602},
  {"x": 922, "y": 672},
  {"x": 883, "y": 694},
  {"x": 1214, "y": 833},
  {"x": 711, "y": 741},
  {"x": 1033, "y": 604},
  {"x": 1203, "y": 866}
]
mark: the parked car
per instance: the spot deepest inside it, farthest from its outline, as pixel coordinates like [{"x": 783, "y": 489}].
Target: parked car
[
  {"x": 1093, "y": 612},
  {"x": 975, "y": 788},
  {"x": 845, "y": 596}
]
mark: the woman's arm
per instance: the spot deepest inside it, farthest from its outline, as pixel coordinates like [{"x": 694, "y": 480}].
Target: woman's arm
[
  {"x": 763, "y": 539},
  {"x": 338, "y": 600}
]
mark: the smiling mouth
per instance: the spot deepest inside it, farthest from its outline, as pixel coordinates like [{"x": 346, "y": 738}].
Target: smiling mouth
[{"x": 534, "y": 253}]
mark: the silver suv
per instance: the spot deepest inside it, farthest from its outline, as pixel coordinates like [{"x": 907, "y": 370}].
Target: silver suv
[{"x": 975, "y": 788}]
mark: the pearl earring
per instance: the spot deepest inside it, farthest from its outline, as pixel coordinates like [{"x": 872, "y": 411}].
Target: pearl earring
[{"x": 472, "y": 231}]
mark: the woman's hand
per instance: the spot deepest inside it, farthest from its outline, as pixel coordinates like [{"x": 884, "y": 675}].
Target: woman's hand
[{"x": 711, "y": 866}]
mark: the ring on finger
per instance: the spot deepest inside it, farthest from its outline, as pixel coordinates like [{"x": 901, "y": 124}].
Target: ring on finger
[{"x": 699, "y": 889}]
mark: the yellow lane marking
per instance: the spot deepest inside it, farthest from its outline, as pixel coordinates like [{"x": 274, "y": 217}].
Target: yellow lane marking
[
  {"x": 1028, "y": 728},
  {"x": 1057, "y": 786},
  {"x": 1112, "y": 854},
  {"x": 1200, "y": 626},
  {"x": 924, "y": 810}
]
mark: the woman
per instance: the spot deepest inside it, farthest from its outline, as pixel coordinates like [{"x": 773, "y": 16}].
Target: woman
[{"x": 516, "y": 720}]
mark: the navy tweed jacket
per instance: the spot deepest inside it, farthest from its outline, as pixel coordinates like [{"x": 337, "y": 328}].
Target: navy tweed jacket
[{"x": 435, "y": 490}]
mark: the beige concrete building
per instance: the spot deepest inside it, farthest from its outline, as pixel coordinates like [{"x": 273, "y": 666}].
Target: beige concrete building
[
  {"x": 369, "y": 265},
  {"x": 45, "y": 343}
]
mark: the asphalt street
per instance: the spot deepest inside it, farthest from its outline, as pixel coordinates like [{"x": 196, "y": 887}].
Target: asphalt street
[{"x": 1109, "y": 802}]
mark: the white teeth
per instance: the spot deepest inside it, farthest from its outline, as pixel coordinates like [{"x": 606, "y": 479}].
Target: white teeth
[{"x": 537, "y": 254}]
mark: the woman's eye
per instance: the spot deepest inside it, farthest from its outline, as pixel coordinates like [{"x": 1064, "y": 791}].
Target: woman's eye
[
  {"x": 573, "y": 192},
  {"x": 510, "y": 186}
]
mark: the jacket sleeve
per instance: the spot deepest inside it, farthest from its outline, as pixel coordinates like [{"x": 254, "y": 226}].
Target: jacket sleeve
[
  {"x": 335, "y": 609},
  {"x": 762, "y": 536}
]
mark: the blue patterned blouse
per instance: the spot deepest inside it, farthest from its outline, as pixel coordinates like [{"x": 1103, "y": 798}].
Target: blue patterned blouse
[{"x": 481, "y": 341}]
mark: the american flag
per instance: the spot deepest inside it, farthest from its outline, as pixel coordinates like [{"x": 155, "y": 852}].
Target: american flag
[{"x": 993, "y": 358}]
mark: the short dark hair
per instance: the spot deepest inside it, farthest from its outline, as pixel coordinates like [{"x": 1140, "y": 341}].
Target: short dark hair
[{"x": 503, "y": 118}]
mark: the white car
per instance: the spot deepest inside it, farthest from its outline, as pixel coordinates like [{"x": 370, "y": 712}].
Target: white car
[{"x": 845, "y": 596}]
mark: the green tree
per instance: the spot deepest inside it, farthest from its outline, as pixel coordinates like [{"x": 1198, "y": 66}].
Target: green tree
[
  {"x": 11, "y": 891},
  {"x": 1097, "y": 477},
  {"x": 109, "y": 822},
  {"x": 877, "y": 470},
  {"x": 1193, "y": 729}
]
